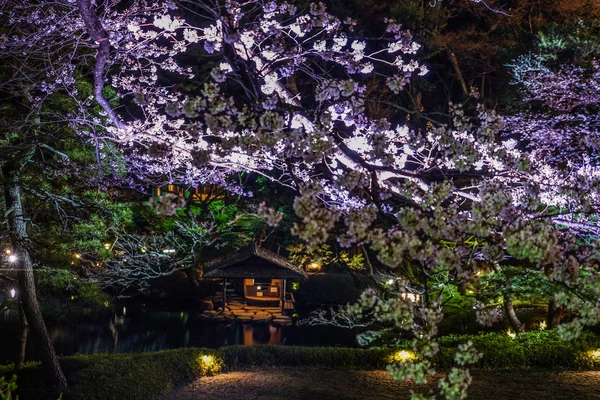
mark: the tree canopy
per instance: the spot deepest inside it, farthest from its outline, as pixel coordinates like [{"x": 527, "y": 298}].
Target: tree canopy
[{"x": 194, "y": 91}]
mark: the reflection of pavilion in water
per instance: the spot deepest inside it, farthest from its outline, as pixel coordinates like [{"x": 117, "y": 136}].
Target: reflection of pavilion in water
[{"x": 262, "y": 334}]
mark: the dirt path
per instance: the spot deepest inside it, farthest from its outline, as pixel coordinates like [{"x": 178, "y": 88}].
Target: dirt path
[{"x": 315, "y": 384}]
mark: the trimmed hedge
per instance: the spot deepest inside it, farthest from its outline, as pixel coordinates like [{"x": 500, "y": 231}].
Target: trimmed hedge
[
  {"x": 290, "y": 356},
  {"x": 541, "y": 349},
  {"x": 135, "y": 376},
  {"x": 146, "y": 376}
]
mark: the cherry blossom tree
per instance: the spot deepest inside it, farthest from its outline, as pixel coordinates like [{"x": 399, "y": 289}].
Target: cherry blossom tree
[{"x": 286, "y": 97}]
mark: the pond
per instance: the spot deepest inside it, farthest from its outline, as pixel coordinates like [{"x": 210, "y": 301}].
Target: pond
[{"x": 135, "y": 330}]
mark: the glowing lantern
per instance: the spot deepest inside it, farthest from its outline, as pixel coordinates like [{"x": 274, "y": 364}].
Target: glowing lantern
[
  {"x": 314, "y": 266},
  {"x": 412, "y": 297},
  {"x": 403, "y": 356}
]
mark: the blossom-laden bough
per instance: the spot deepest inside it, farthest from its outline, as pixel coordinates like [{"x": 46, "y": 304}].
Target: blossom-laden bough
[{"x": 282, "y": 92}]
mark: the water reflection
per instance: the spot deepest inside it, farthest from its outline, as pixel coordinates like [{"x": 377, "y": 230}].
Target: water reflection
[
  {"x": 262, "y": 334},
  {"x": 137, "y": 330}
]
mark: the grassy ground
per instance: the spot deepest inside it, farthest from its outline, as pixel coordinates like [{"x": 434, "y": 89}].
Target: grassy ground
[{"x": 315, "y": 383}]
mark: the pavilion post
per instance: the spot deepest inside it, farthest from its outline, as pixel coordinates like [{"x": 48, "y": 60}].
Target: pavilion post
[
  {"x": 224, "y": 293},
  {"x": 283, "y": 296}
]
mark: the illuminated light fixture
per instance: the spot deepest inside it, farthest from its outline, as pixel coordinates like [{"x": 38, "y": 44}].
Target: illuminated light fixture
[
  {"x": 594, "y": 354},
  {"x": 314, "y": 266},
  {"x": 12, "y": 258},
  {"x": 403, "y": 356},
  {"x": 390, "y": 281},
  {"x": 258, "y": 288},
  {"x": 13, "y": 293},
  {"x": 413, "y": 297},
  {"x": 8, "y": 251},
  {"x": 107, "y": 246},
  {"x": 143, "y": 249},
  {"x": 511, "y": 334},
  {"x": 77, "y": 255},
  {"x": 168, "y": 251}
]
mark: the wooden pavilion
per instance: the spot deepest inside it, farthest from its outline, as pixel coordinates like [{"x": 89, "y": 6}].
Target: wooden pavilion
[{"x": 263, "y": 272}]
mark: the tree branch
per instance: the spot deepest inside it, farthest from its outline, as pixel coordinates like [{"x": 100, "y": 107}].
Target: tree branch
[{"x": 97, "y": 32}]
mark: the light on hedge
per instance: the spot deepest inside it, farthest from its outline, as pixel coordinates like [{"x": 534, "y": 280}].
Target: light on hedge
[
  {"x": 403, "y": 356},
  {"x": 594, "y": 355},
  {"x": 209, "y": 364}
]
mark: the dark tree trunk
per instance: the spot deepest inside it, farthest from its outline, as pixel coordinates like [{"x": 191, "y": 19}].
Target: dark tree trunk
[
  {"x": 22, "y": 339},
  {"x": 417, "y": 98},
  {"x": 456, "y": 67},
  {"x": 367, "y": 260},
  {"x": 462, "y": 287},
  {"x": 426, "y": 297},
  {"x": 555, "y": 314},
  {"x": 31, "y": 308},
  {"x": 511, "y": 316}
]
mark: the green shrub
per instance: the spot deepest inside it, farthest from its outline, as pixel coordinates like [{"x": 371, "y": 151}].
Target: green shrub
[
  {"x": 547, "y": 349},
  {"x": 66, "y": 294},
  {"x": 543, "y": 349},
  {"x": 327, "y": 357},
  {"x": 7, "y": 387},
  {"x": 499, "y": 350},
  {"x": 135, "y": 376}
]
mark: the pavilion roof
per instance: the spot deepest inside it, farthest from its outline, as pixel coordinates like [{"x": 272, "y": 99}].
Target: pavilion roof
[{"x": 253, "y": 262}]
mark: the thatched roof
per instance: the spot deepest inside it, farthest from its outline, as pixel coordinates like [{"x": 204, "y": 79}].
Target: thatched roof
[{"x": 253, "y": 262}]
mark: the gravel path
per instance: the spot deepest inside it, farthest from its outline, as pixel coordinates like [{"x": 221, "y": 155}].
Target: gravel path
[{"x": 315, "y": 384}]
